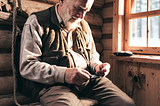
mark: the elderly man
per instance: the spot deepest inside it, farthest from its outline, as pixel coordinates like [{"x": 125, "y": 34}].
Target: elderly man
[{"x": 58, "y": 59}]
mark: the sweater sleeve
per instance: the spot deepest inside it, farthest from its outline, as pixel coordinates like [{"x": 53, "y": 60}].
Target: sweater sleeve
[{"x": 31, "y": 67}]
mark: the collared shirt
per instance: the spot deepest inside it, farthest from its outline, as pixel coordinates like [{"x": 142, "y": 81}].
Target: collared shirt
[
  {"x": 68, "y": 35},
  {"x": 31, "y": 66}
]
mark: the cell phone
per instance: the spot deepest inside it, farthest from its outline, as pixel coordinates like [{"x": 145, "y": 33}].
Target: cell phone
[{"x": 95, "y": 76}]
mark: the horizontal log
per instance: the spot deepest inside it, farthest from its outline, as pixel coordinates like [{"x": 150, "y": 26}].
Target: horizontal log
[
  {"x": 5, "y": 38},
  {"x": 30, "y": 6},
  {"x": 94, "y": 27},
  {"x": 6, "y": 85},
  {"x": 94, "y": 19},
  {"x": 107, "y": 28},
  {"x": 108, "y": 1},
  {"x": 5, "y": 27},
  {"x": 107, "y": 44},
  {"x": 7, "y": 18},
  {"x": 107, "y": 36},
  {"x": 96, "y": 33},
  {"x": 5, "y": 62},
  {"x": 7, "y": 100},
  {"x": 5, "y": 50},
  {"x": 107, "y": 12},
  {"x": 94, "y": 10},
  {"x": 99, "y": 46},
  {"x": 105, "y": 57},
  {"x": 96, "y": 4},
  {"x": 52, "y": 1},
  {"x": 6, "y": 73}
]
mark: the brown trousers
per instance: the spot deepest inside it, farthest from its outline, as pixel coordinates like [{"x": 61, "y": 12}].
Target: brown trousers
[{"x": 100, "y": 89}]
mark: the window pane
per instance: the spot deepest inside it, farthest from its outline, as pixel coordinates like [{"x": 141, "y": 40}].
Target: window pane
[
  {"x": 154, "y": 4},
  {"x": 154, "y": 32},
  {"x": 138, "y": 6},
  {"x": 138, "y": 32}
]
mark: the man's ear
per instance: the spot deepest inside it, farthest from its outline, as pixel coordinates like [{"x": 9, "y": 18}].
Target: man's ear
[{"x": 61, "y": 2}]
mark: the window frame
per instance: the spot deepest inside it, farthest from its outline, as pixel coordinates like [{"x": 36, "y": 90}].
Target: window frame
[{"x": 121, "y": 32}]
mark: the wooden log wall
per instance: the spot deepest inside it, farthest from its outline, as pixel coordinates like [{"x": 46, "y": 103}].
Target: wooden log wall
[
  {"x": 106, "y": 40},
  {"x": 94, "y": 19}
]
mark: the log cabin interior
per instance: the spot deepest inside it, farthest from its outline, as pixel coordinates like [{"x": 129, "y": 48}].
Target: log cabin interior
[{"x": 116, "y": 25}]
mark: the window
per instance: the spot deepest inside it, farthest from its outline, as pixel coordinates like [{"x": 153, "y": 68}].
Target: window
[{"x": 142, "y": 26}]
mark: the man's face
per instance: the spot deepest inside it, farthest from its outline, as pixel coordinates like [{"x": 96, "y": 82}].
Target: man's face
[{"x": 73, "y": 11}]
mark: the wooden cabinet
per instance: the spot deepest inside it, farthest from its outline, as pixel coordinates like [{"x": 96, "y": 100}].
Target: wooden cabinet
[{"x": 140, "y": 80}]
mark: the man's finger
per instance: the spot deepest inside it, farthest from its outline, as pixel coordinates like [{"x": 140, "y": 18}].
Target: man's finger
[
  {"x": 83, "y": 76},
  {"x": 85, "y": 71},
  {"x": 104, "y": 69},
  {"x": 78, "y": 81}
]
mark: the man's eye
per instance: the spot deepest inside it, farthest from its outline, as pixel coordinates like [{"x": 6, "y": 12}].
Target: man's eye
[{"x": 77, "y": 8}]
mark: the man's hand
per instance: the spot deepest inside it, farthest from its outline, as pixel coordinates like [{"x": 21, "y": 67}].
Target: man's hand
[
  {"x": 76, "y": 76},
  {"x": 102, "y": 69}
]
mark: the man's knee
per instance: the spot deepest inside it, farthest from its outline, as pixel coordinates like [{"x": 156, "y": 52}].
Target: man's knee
[{"x": 122, "y": 100}]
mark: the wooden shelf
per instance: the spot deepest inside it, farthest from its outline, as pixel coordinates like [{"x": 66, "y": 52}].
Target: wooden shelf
[{"x": 138, "y": 58}]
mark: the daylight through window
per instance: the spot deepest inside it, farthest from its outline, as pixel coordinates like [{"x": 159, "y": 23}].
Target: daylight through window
[{"x": 142, "y": 25}]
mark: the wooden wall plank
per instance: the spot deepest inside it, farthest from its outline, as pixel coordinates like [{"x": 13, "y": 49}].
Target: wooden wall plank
[
  {"x": 128, "y": 82},
  {"x": 115, "y": 26},
  {"x": 6, "y": 73},
  {"x": 98, "y": 3},
  {"x": 107, "y": 12},
  {"x": 5, "y": 62},
  {"x": 51, "y": 1},
  {"x": 94, "y": 19},
  {"x": 7, "y": 18},
  {"x": 107, "y": 28},
  {"x": 108, "y": 1},
  {"x": 99, "y": 46},
  {"x": 107, "y": 43},
  {"x": 96, "y": 33},
  {"x": 105, "y": 57},
  {"x": 5, "y": 38},
  {"x": 30, "y": 6},
  {"x": 6, "y": 85},
  {"x": 152, "y": 90},
  {"x": 119, "y": 74}
]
